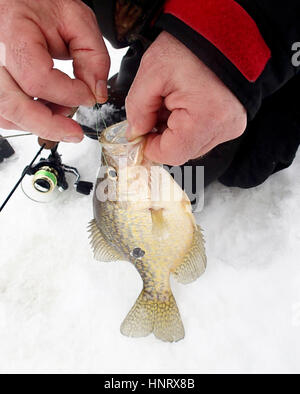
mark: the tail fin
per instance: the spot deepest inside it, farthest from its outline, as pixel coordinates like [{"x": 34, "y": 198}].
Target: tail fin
[{"x": 153, "y": 315}]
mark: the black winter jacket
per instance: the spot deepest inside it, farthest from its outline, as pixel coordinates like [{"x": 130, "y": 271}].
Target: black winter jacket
[{"x": 254, "y": 48}]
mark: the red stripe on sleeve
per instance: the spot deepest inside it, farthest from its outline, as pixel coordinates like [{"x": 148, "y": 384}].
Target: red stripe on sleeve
[{"x": 229, "y": 28}]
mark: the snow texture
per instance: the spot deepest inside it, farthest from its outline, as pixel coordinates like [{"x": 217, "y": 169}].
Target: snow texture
[
  {"x": 95, "y": 118},
  {"x": 60, "y": 311}
]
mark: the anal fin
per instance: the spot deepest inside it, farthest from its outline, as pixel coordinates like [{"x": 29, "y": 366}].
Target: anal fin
[
  {"x": 194, "y": 263},
  {"x": 103, "y": 250}
]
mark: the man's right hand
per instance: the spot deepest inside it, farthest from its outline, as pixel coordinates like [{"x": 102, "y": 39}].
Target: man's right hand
[{"x": 32, "y": 33}]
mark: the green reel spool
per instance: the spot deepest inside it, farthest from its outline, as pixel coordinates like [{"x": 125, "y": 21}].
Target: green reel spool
[{"x": 45, "y": 180}]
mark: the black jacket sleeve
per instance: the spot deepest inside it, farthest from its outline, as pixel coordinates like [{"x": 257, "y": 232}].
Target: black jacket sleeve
[
  {"x": 252, "y": 45},
  {"x": 219, "y": 24}
]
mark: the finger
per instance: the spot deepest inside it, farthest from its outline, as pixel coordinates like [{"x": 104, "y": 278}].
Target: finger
[
  {"x": 59, "y": 109},
  {"x": 180, "y": 141},
  {"x": 165, "y": 148},
  {"x": 7, "y": 125},
  {"x": 33, "y": 116},
  {"x": 143, "y": 102},
  {"x": 30, "y": 64},
  {"x": 87, "y": 48}
]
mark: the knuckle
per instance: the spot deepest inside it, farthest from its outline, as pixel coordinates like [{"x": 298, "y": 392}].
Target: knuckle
[
  {"x": 88, "y": 12},
  {"x": 152, "y": 62},
  {"x": 78, "y": 7},
  {"x": 147, "y": 60}
]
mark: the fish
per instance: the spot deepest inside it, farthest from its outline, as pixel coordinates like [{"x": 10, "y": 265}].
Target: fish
[{"x": 155, "y": 231}]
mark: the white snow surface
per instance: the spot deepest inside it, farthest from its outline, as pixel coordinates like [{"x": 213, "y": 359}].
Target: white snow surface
[{"x": 60, "y": 311}]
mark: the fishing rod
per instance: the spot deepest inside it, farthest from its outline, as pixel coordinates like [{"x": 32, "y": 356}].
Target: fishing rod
[
  {"x": 50, "y": 173},
  {"x": 21, "y": 178},
  {"x": 88, "y": 131}
]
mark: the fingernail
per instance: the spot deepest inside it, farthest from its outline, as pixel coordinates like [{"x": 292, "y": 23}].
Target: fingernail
[
  {"x": 72, "y": 138},
  {"x": 101, "y": 92}
]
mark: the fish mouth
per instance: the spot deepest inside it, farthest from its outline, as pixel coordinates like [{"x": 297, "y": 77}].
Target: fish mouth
[
  {"x": 116, "y": 135},
  {"x": 116, "y": 146}
]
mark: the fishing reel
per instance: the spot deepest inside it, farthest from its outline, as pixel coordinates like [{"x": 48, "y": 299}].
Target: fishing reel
[
  {"x": 48, "y": 177},
  {"x": 43, "y": 181}
]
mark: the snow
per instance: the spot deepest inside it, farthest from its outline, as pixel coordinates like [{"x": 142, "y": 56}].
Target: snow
[
  {"x": 60, "y": 311},
  {"x": 90, "y": 116},
  {"x": 99, "y": 118}
]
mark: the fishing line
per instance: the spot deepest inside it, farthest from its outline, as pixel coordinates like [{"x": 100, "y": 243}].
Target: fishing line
[
  {"x": 87, "y": 133},
  {"x": 98, "y": 129},
  {"x": 102, "y": 118},
  {"x": 16, "y": 135}
]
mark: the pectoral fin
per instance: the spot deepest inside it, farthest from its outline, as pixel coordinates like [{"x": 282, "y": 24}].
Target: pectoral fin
[
  {"x": 194, "y": 263},
  {"x": 103, "y": 250}
]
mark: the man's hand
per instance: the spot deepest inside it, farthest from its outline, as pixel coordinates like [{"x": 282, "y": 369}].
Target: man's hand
[
  {"x": 195, "y": 111},
  {"x": 32, "y": 33}
]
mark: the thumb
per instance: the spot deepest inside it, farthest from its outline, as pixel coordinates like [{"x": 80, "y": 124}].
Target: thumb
[
  {"x": 91, "y": 60},
  {"x": 143, "y": 102}
]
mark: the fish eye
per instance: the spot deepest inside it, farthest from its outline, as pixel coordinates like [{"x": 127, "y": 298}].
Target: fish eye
[
  {"x": 112, "y": 173},
  {"x": 138, "y": 253}
]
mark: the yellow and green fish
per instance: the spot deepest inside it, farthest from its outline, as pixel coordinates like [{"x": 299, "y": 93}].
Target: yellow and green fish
[{"x": 141, "y": 215}]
